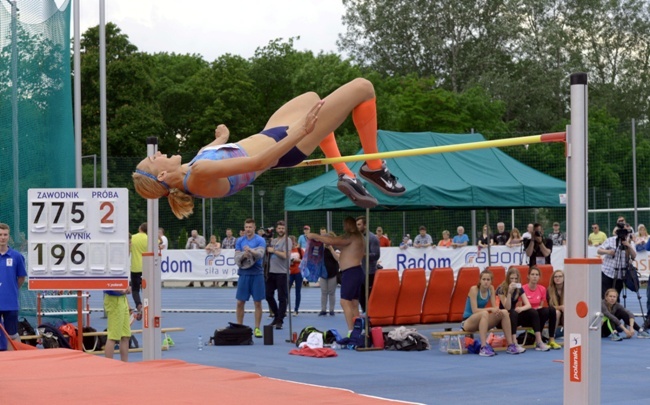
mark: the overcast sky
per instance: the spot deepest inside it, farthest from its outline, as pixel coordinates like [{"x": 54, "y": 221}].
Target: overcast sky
[{"x": 215, "y": 27}]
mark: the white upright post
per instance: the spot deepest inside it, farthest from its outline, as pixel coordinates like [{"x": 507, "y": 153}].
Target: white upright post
[
  {"x": 151, "y": 302},
  {"x": 582, "y": 275}
]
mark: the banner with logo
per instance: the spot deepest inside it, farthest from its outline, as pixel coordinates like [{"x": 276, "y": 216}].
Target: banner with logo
[{"x": 181, "y": 265}]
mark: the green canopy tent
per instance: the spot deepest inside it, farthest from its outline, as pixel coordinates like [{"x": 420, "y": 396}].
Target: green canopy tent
[{"x": 474, "y": 179}]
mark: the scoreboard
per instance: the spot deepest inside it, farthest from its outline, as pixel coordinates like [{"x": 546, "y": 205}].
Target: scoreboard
[{"x": 78, "y": 239}]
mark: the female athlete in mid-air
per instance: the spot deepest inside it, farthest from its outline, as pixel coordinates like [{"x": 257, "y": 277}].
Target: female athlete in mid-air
[{"x": 292, "y": 133}]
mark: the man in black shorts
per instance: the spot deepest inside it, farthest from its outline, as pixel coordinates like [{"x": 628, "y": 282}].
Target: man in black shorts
[{"x": 351, "y": 246}]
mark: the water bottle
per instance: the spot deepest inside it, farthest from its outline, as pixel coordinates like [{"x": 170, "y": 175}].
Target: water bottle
[
  {"x": 444, "y": 344},
  {"x": 200, "y": 343},
  {"x": 335, "y": 346}
]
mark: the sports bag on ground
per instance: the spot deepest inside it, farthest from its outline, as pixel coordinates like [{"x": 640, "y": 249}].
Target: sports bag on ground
[{"x": 233, "y": 335}]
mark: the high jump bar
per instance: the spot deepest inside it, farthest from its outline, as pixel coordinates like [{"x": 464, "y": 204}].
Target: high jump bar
[{"x": 497, "y": 143}]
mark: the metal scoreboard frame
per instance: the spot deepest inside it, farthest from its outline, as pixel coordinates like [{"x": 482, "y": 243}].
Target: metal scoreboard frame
[{"x": 78, "y": 239}]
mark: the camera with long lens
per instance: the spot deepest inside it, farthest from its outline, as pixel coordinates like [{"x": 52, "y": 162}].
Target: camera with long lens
[{"x": 622, "y": 232}]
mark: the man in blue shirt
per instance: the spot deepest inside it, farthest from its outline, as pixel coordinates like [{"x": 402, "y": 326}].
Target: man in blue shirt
[
  {"x": 12, "y": 277},
  {"x": 302, "y": 240},
  {"x": 249, "y": 254},
  {"x": 461, "y": 239}
]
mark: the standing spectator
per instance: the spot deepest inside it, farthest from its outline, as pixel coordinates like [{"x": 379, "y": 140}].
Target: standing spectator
[
  {"x": 375, "y": 252},
  {"x": 302, "y": 240},
  {"x": 515, "y": 238},
  {"x": 295, "y": 275},
  {"x": 195, "y": 241},
  {"x": 328, "y": 285},
  {"x": 406, "y": 242},
  {"x": 558, "y": 238},
  {"x": 616, "y": 252},
  {"x": 278, "y": 271},
  {"x": 502, "y": 236},
  {"x": 229, "y": 241},
  {"x": 485, "y": 238},
  {"x": 596, "y": 237},
  {"x": 529, "y": 232},
  {"x": 641, "y": 238},
  {"x": 446, "y": 240},
  {"x": 163, "y": 242},
  {"x": 249, "y": 252},
  {"x": 119, "y": 323},
  {"x": 423, "y": 239},
  {"x": 12, "y": 277},
  {"x": 538, "y": 248},
  {"x": 138, "y": 247},
  {"x": 383, "y": 238},
  {"x": 214, "y": 247},
  {"x": 351, "y": 245},
  {"x": 461, "y": 239}
]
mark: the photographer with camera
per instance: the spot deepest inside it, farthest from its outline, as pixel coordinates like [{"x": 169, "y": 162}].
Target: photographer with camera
[
  {"x": 616, "y": 253},
  {"x": 538, "y": 248}
]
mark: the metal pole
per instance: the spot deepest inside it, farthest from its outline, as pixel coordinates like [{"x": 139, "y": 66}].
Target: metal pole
[
  {"x": 487, "y": 222},
  {"x": 403, "y": 226},
  {"x": 77, "y": 94},
  {"x": 473, "y": 223},
  {"x": 94, "y": 156},
  {"x": 609, "y": 225},
  {"x": 252, "y": 186},
  {"x": 636, "y": 208},
  {"x": 582, "y": 360},
  {"x": 261, "y": 193},
  {"x": 594, "y": 205},
  {"x": 151, "y": 303},
  {"x": 102, "y": 92},
  {"x": 14, "y": 119},
  {"x": 203, "y": 216}
]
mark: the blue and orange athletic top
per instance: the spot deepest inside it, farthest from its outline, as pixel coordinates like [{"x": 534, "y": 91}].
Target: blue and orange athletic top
[{"x": 220, "y": 152}]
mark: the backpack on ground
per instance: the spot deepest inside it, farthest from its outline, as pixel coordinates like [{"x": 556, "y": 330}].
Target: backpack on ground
[
  {"x": 233, "y": 335},
  {"x": 92, "y": 343},
  {"x": 26, "y": 329},
  {"x": 304, "y": 334},
  {"x": 52, "y": 338},
  {"x": 357, "y": 337},
  {"x": 526, "y": 338}
]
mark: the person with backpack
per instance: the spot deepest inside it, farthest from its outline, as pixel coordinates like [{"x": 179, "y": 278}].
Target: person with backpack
[
  {"x": 119, "y": 323},
  {"x": 12, "y": 277},
  {"x": 479, "y": 317}
]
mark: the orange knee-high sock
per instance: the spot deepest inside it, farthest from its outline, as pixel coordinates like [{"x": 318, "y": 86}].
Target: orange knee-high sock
[
  {"x": 331, "y": 150},
  {"x": 364, "y": 117}
]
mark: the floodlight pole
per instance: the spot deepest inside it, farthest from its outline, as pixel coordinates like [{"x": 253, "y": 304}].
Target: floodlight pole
[{"x": 14, "y": 118}]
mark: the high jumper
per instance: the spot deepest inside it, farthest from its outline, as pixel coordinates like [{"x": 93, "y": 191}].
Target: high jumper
[{"x": 293, "y": 132}]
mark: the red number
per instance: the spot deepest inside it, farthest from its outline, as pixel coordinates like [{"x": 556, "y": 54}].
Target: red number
[{"x": 106, "y": 219}]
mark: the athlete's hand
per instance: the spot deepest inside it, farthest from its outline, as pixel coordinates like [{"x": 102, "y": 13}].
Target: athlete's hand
[
  {"x": 311, "y": 118},
  {"x": 221, "y": 131}
]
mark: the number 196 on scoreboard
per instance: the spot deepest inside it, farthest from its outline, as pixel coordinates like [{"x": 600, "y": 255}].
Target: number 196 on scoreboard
[{"x": 78, "y": 239}]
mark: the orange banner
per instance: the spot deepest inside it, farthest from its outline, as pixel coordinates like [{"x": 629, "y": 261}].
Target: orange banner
[{"x": 78, "y": 284}]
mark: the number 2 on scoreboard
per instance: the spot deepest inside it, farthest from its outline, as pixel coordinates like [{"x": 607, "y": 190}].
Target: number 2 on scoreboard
[{"x": 107, "y": 219}]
